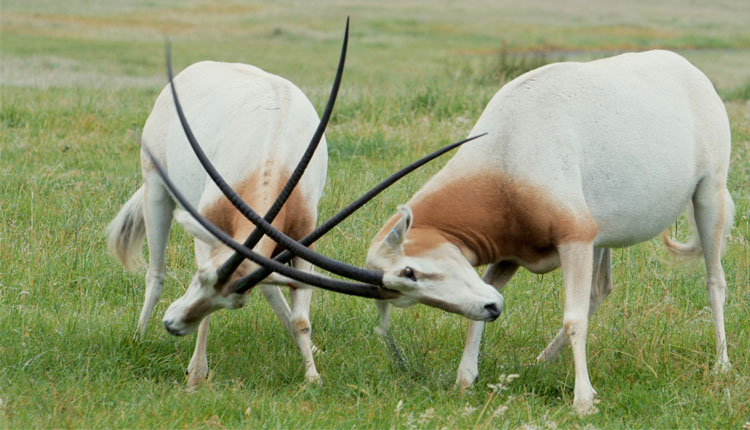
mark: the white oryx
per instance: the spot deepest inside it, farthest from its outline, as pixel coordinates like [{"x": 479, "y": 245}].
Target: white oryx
[
  {"x": 579, "y": 158},
  {"x": 254, "y": 126},
  {"x": 255, "y": 123}
]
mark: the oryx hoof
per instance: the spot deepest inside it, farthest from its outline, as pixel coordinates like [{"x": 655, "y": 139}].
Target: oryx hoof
[
  {"x": 465, "y": 380},
  {"x": 722, "y": 367},
  {"x": 314, "y": 379},
  {"x": 586, "y": 404}
]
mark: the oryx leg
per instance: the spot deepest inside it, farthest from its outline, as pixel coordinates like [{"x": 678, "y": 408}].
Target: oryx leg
[
  {"x": 296, "y": 320},
  {"x": 496, "y": 275},
  {"x": 301, "y": 328},
  {"x": 714, "y": 211},
  {"x": 278, "y": 303},
  {"x": 198, "y": 368},
  {"x": 576, "y": 259},
  {"x": 157, "y": 212},
  {"x": 384, "y": 312},
  {"x": 601, "y": 286}
]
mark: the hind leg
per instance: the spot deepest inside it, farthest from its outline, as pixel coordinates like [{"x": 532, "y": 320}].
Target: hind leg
[
  {"x": 157, "y": 208},
  {"x": 301, "y": 328},
  {"x": 497, "y": 275},
  {"x": 294, "y": 321},
  {"x": 601, "y": 286},
  {"x": 280, "y": 307},
  {"x": 713, "y": 217}
]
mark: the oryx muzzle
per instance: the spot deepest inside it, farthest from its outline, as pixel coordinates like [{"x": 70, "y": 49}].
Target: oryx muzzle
[{"x": 372, "y": 279}]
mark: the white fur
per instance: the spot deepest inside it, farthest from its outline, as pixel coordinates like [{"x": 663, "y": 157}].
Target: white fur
[
  {"x": 247, "y": 122},
  {"x": 627, "y": 142}
]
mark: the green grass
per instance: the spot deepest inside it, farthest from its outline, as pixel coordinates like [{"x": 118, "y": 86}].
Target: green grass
[{"x": 78, "y": 80}]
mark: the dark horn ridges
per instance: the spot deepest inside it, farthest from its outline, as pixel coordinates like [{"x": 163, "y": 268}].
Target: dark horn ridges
[
  {"x": 233, "y": 262},
  {"x": 250, "y": 280},
  {"x": 262, "y": 225},
  {"x": 354, "y": 289}
]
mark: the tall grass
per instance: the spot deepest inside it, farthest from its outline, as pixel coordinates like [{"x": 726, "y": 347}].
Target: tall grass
[{"x": 69, "y": 159}]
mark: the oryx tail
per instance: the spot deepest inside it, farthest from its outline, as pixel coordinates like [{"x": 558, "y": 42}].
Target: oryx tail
[
  {"x": 693, "y": 247},
  {"x": 125, "y": 234}
]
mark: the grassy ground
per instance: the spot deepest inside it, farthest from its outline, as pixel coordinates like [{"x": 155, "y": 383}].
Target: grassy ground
[{"x": 77, "y": 81}]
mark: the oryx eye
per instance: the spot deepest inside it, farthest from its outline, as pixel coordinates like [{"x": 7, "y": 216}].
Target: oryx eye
[{"x": 408, "y": 272}]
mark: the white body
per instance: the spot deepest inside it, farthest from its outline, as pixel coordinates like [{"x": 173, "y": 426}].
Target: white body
[
  {"x": 579, "y": 158},
  {"x": 254, "y": 127}
]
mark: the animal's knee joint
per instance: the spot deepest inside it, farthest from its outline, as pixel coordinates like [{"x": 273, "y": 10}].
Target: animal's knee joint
[{"x": 301, "y": 325}]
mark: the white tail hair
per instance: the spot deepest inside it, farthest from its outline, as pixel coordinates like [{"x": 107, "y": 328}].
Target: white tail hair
[
  {"x": 693, "y": 247},
  {"x": 125, "y": 234}
]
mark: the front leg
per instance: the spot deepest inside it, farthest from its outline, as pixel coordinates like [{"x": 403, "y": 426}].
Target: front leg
[
  {"x": 497, "y": 275},
  {"x": 576, "y": 259},
  {"x": 384, "y": 311},
  {"x": 601, "y": 286},
  {"x": 198, "y": 368}
]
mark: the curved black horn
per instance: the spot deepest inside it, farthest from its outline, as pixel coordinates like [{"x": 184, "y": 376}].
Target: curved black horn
[
  {"x": 234, "y": 261},
  {"x": 250, "y": 280},
  {"x": 351, "y": 288},
  {"x": 263, "y": 226}
]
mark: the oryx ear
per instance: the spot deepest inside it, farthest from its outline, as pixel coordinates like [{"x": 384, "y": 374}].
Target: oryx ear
[
  {"x": 194, "y": 228},
  {"x": 397, "y": 235}
]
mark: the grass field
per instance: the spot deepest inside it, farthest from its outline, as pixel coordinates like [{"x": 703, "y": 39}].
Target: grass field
[{"x": 77, "y": 81}]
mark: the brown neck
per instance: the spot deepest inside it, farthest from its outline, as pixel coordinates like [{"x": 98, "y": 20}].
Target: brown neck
[
  {"x": 259, "y": 191},
  {"x": 492, "y": 218}
]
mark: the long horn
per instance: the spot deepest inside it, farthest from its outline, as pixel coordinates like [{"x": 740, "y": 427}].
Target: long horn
[
  {"x": 248, "y": 281},
  {"x": 234, "y": 261},
  {"x": 263, "y": 226},
  {"x": 351, "y": 288}
]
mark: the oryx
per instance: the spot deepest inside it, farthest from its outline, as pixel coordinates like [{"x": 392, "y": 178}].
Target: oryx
[
  {"x": 262, "y": 157},
  {"x": 578, "y": 158},
  {"x": 255, "y": 127}
]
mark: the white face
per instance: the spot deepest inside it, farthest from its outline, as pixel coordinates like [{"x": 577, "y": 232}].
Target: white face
[
  {"x": 204, "y": 296},
  {"x": 438, "y": 276}
]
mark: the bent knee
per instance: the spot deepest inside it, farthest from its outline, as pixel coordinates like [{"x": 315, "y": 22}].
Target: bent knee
[{"x": 301, "y": 325}]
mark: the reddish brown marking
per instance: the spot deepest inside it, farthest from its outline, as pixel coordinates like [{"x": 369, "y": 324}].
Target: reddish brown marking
[
  {"x": 296, "y": 219},
  {"x": 493, "y": 218}
]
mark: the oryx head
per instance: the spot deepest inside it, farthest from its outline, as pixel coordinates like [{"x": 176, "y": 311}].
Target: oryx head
[
  {"x": 218, "y": 285},
  {"x": 423, "y": 266}
]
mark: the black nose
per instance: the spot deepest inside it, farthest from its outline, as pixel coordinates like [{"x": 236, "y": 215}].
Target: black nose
[
  {"x": 173, "y": 332},
  {"x": 492, "y": 310}
]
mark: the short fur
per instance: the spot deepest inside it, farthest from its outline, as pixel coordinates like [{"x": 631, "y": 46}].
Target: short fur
[
  {"x": 126, "y": 233},
  {"x": 254, "y": 126},
  {"x": 579, "y": 158}
]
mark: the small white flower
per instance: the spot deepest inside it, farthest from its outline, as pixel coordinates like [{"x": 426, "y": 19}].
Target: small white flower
[
  {"x": 399, "y": 406},
  {"x": 503, "y": 382},
  {"x": 746, "y": 426},
  {"x": 500, "y": 411},
  {"x": 426, "y": 416},
  {"x": 468, "y": 410},
  {"x": 410, "y": 422}
]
